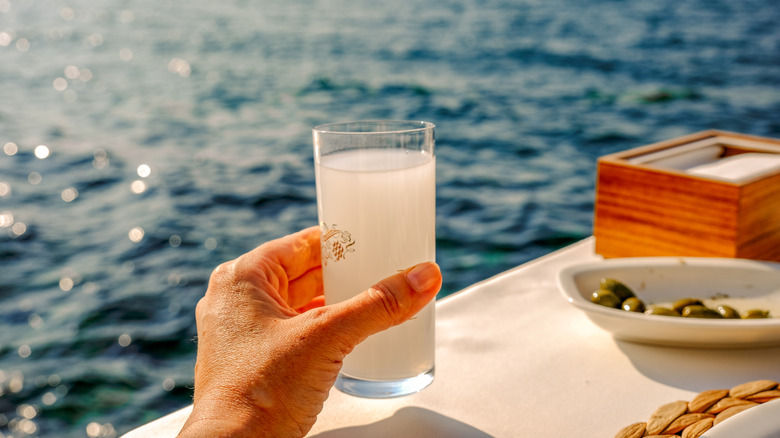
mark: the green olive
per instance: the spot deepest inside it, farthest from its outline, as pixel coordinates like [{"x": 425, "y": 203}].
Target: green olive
[
  {"x": 620, "y": 289},
  {"x": 755, "y": 314},
  {"x": 663, "y": 311},
  {"x": 680, "y": 304},
  {"x": 728, "y": 312},
  {"x": 605, "y": 298},
  {"x": 634, "y": 304},
  {"x": 699, "y": 311}
]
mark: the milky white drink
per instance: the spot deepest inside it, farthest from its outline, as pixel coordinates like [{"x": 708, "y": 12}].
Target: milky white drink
[{"x": 377, "y": 213}]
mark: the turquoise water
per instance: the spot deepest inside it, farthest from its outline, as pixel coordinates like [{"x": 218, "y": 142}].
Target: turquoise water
[{"x": 177, "y": 136}]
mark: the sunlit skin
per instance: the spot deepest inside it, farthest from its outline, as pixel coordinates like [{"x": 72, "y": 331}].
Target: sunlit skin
[{"x": 269, "y": 351}]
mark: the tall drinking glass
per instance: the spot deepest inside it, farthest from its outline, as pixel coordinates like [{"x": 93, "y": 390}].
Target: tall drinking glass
[{"x": 376, "y": 199}]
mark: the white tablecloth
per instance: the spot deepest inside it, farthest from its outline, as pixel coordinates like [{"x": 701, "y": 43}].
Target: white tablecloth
[{"x": 514, "y": 359}]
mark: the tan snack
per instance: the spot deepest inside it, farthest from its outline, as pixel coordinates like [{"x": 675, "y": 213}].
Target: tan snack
[
  {"x": 750, "y": 388},
  {"x": 664, "y": 415},
  {"x": 707, "y": 409},
  {"x": 705, "y": 399}
]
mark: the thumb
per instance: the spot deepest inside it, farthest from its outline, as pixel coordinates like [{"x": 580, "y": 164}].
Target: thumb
[{"x": 390, "y": 302}]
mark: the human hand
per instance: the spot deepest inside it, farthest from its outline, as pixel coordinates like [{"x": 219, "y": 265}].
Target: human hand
[{"x": 264, "y": 369}]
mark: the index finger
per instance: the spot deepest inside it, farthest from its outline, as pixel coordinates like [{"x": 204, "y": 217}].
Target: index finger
[{"x": 295, "y": 253}]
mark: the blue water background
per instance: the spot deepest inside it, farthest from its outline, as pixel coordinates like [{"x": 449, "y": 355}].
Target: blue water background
[{"x": 101, "y": 265}]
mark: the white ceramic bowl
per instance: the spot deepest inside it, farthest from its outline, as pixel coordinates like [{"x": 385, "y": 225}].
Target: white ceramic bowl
[
  {"x": 666, "y": 279},
  {"x": 757, "y": 422}
]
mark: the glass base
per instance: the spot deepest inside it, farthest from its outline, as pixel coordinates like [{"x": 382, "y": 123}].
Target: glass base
[{"x": 383, "y": 388}]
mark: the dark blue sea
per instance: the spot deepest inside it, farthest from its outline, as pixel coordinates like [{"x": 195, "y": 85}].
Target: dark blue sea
[{"x": 146, "y": 141}]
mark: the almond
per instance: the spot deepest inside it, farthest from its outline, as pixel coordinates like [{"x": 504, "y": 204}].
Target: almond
[
  {"x": 684, "y": 421},
  {"x": 698, "y": 428},
  {"x": 705, "y": 399},
  {"x": 664, "y": 415},
  {"x": 730, "y": 412},
  {"x": 764, "y": 396},
  {"x": 728, "y": 402},
  {"x": 750, "y": 388},
  {"x": 636, "y": 430}
]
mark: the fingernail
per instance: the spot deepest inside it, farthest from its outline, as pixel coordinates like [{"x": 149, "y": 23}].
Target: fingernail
[{"x": 423, "y": 276}]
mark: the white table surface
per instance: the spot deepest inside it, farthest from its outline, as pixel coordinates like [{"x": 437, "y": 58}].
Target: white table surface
[{"x": 514, "y": 359}]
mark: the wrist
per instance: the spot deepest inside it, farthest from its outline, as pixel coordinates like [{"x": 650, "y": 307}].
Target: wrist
[{"x": 223, "y": 418}]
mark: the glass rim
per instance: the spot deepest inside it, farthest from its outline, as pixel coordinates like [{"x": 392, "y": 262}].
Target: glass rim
[{"x": 414, "y": 126}]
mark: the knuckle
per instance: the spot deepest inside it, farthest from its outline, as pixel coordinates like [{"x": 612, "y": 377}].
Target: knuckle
[
  {"x": 389, "y": 302},
  {"x": 224, "y": 274}
]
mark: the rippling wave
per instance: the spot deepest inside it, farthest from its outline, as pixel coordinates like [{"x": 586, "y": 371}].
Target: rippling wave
[{"x": 176, "y": 136}]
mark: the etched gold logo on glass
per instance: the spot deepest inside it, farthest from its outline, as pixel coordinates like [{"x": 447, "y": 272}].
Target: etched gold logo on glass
[{"x": 335, "y": 243}]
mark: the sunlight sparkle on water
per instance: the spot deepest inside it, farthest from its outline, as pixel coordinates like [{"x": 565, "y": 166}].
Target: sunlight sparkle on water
[
  {"x": 95, "y": 39},
  {"x": 179, "y": 66},
  {"x": 19, "y": 228},
  {"x": 72, "y": 72},
  {"x": 54, "y": 380},
  {"x": 124, "y": 340},
  {"x": 97, "y": 430},
  {"x": 35, "y": 320},
  {"x": 67, "y": 13},
  {"x": 85, "y": 74},
  {"x": 23, "y": 425},
  {"x": 42, "y": 151},
  {"x": 138, "y": 186},
  {"x": 16, "y": 382},
  {"x": 24, "y": 351},
  {"x": 6, "y": 219},
  {"x": 22, "y": 44},
  {"x": 100, "y": 159},
  {"x": 90, "y": 287},
  {"x": 69, "y": 194},
  {"x": 60, "y": 84},
  {"x": 5, "y": 39},
  {"x": 144, "y": 170},
  {"x": 125, "y": 54},
  {"x": 126, "y": 16},
  {"x": 49, "y": 398},
  {"x": 10, "y": 148},
  {"x": 136, "y": 234},
  {"x": 27, "y": 411},
  {"x": 168, "y": 384},
  {"x": 66, "y": 284}
]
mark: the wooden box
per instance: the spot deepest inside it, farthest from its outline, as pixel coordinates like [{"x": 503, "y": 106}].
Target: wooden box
[{"x": 650, "y": 201}]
